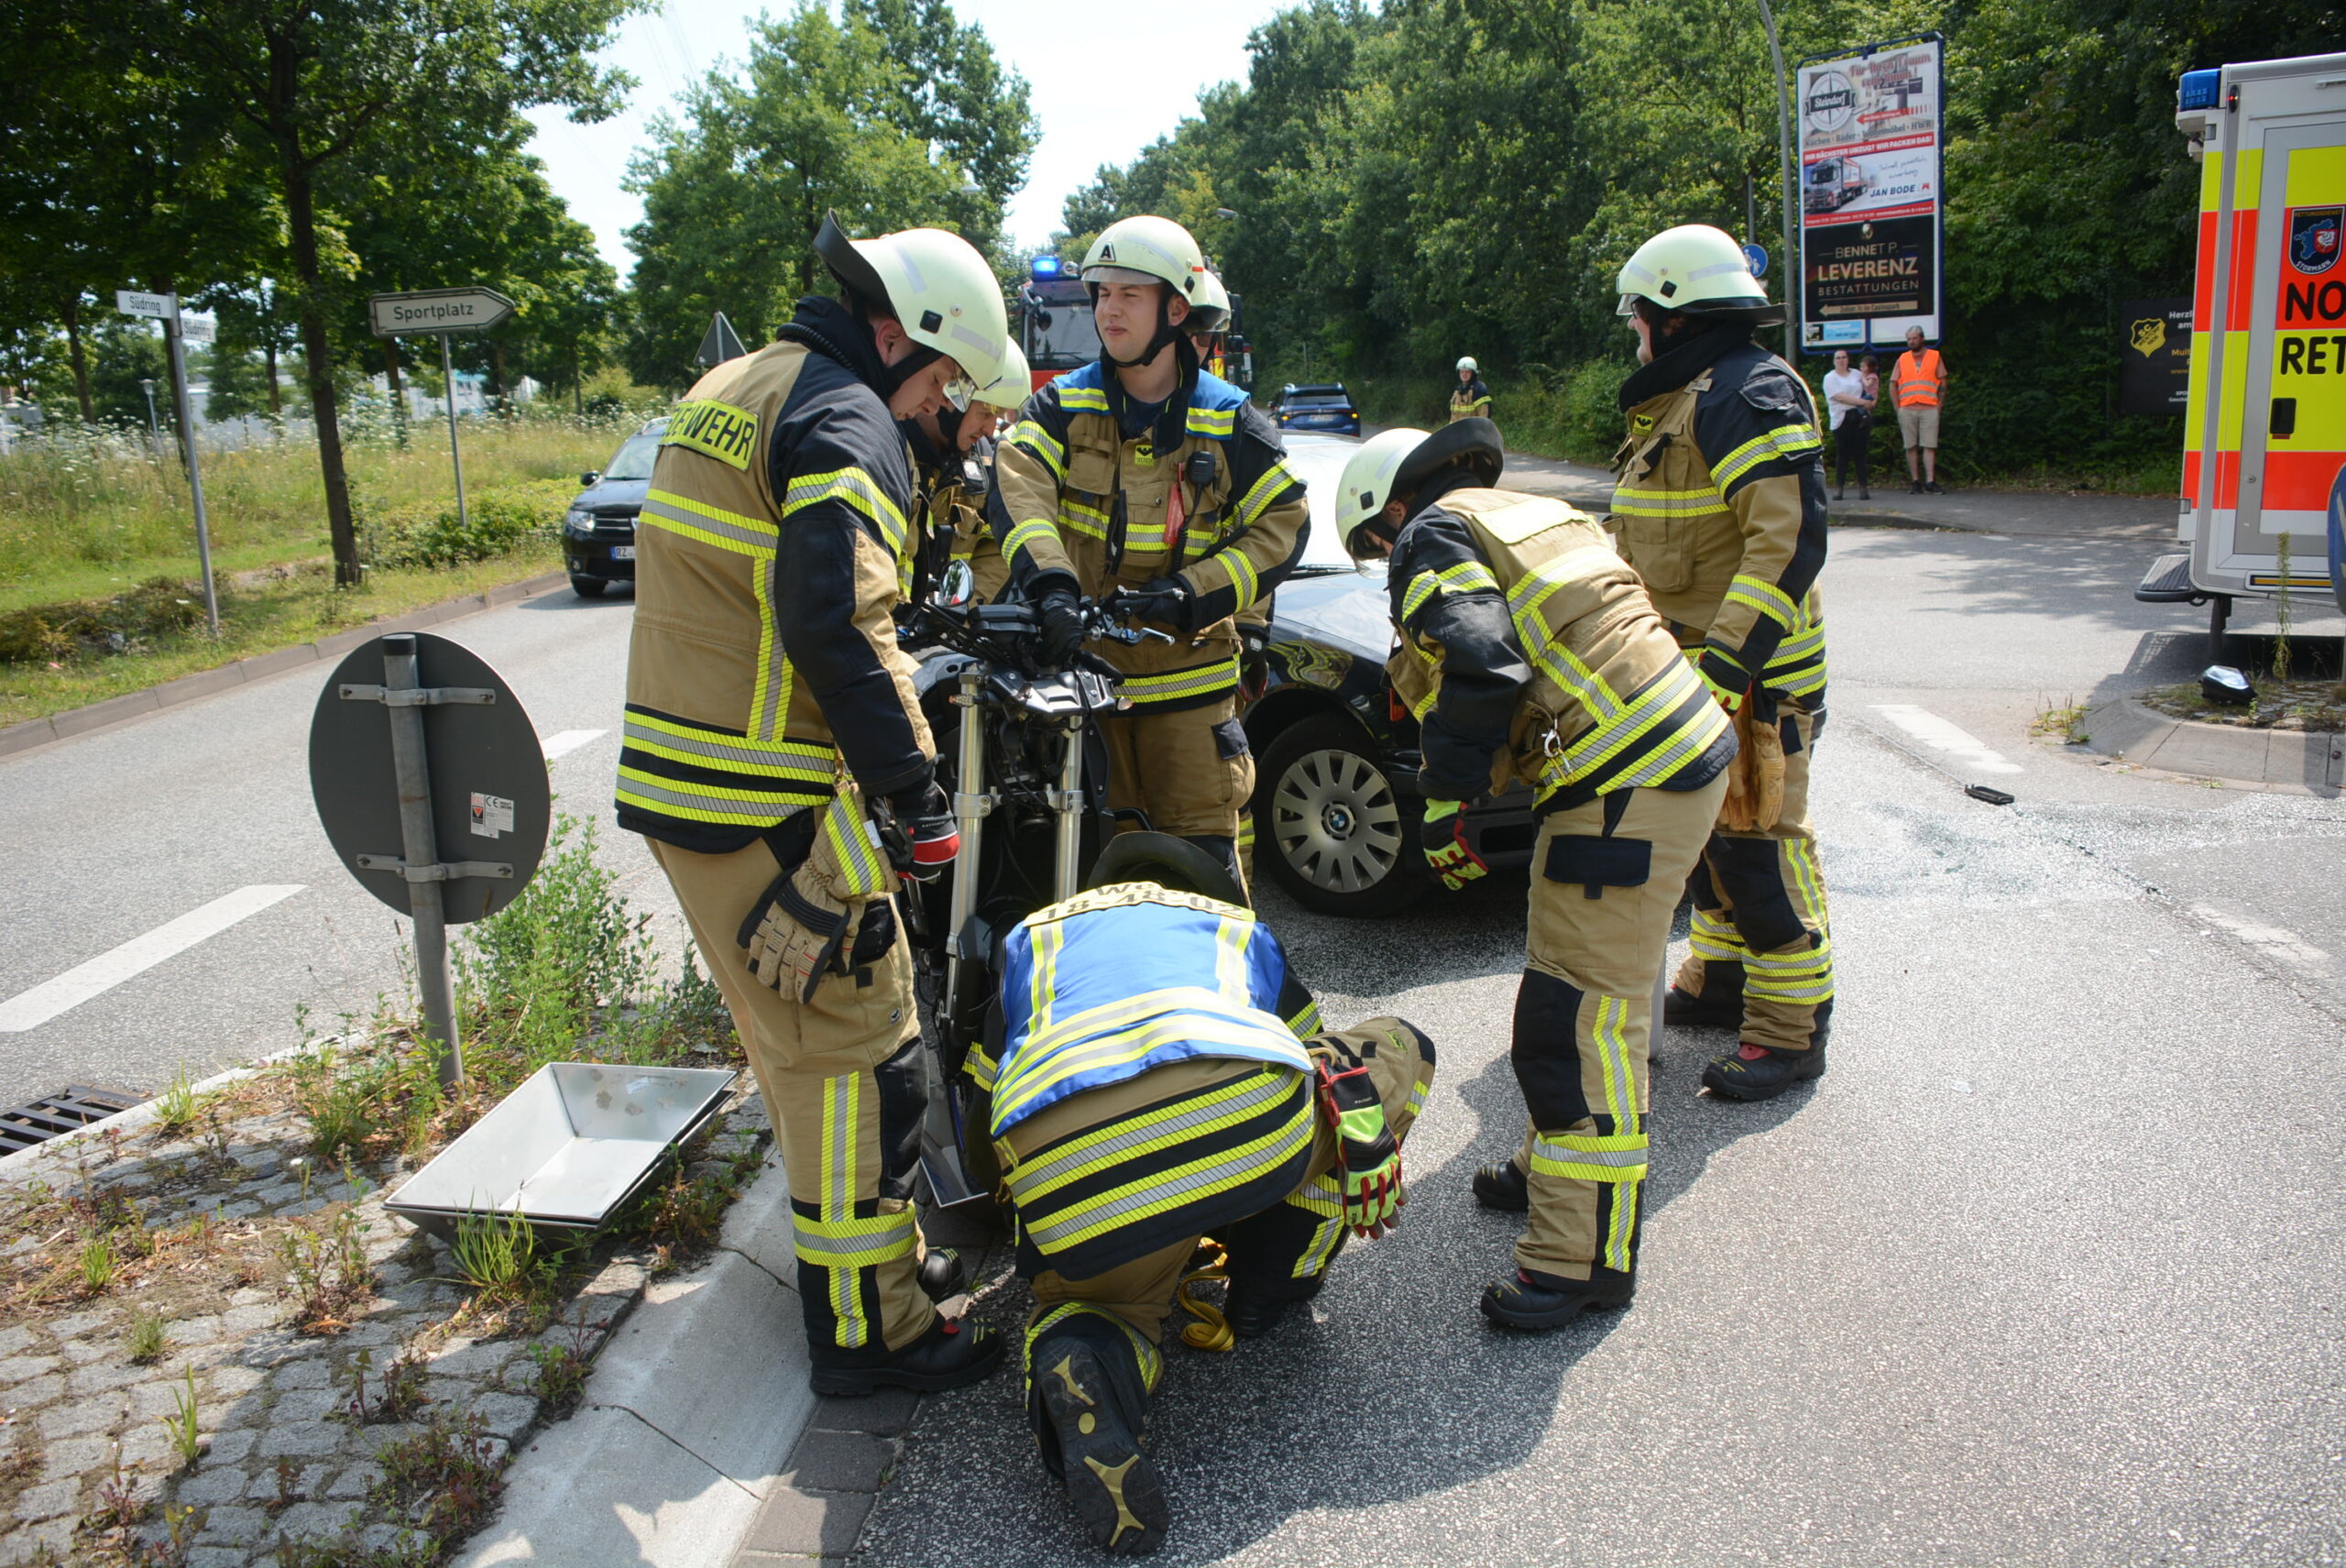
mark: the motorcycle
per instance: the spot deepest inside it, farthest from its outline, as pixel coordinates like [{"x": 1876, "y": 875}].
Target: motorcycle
[{"x": 1026, "y": 767}]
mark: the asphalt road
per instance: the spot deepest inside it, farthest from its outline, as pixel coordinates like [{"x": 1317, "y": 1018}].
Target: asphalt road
[{"x": 2045, "y": 1269}]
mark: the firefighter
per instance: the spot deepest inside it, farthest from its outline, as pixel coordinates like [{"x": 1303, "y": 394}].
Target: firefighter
[
  {"x": 769, "y": 714},
  {"x": 1140, "y": 473},
  {"x": 1164, "y": 1078},
  {"x": 1720, "y": 507},
  {"x": 953, "y": 459},
  {"x": 1469, "y": 398},
  {"x": 1208, "y": 321},
  {"x": 1531, "y": 653}
]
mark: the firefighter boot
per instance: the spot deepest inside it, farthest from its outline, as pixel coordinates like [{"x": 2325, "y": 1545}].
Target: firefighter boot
[
  {"x": 951, "y": 1354},
  {"x": 1256, "y": 1302},
  {"x": 1087, "y": 1397},
  {"x": 1533, "y": 1301},
  {"x": 1720, "y": 1006},
  {"x": 1762, "y": 1072},
  {"x": 1503, "y": 1187}
]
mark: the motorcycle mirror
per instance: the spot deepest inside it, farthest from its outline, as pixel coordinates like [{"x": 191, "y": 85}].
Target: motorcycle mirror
[{"x": 957, "y": 585}]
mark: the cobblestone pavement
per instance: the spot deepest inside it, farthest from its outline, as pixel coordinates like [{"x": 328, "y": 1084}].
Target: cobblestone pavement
[{"x": 293, "y": 1445}]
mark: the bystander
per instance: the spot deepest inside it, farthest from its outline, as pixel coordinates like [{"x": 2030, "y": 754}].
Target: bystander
[
  {"x": 1849, "y": 413},
  {"x": 1919, "y": 383}
]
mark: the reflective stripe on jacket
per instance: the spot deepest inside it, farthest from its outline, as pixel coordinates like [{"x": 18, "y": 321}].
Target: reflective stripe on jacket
[
  {"x": 1529, "y": 642},
  {"x": 1065, "y": 475},
  {"x": 773, "y": 543},
  {"x": 1918, "y": 379},
  {"x": 1106, "y": 985},
  {"x": 1720, "y": 507}
]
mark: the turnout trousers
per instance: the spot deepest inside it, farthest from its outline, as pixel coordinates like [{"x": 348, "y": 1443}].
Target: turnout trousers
[
  {"x": 1605, "y": 877},
  {"x": 1762, "y": 938},
  {"x": 1115, "y": 1187},
  {"x": 843, "y": 1083},
  {"x": 1189, "y": 771}
]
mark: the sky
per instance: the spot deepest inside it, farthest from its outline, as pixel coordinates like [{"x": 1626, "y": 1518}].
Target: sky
[{"x": 1056, "y": 44}]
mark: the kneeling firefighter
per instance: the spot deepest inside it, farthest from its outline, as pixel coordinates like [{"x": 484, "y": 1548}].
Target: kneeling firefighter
[
  {"x": 1161, "y": 1076},
  {"x": 770, "y": 713},
  {"x": 1721, "y": 509},
  {"x": 953, "y": 460},
  {"x": 1531, "y": 652}
]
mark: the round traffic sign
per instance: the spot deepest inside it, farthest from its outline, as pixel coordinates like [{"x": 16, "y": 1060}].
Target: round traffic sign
[
  {"x": 1757, "y": 257},
  {"x": 490, "y": 803}
]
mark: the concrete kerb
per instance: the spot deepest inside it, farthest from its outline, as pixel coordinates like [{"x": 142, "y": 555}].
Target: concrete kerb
[
  {"x": 2283, "y": 761},
  {"x": 690, "y": 1418},
  {"x": 117, "y": 710}
]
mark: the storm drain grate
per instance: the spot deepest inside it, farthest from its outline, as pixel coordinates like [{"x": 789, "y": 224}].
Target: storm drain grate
[{"x": 76, "y": 1105}]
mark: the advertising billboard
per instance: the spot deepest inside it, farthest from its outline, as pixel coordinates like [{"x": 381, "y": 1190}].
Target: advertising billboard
[
  {"x": 1872, "y": 194},
  {"x": 2155, "y": 356}
]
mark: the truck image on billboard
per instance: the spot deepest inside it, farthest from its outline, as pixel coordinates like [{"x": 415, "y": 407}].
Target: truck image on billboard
[{"x": 1870, "y": 195}]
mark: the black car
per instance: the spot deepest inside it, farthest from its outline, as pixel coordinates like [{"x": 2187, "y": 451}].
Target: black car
[
  {"x": 1322, "y": 405},
  {"x": 598, "y": 534},
  {"x": 1336, "y": 758}
]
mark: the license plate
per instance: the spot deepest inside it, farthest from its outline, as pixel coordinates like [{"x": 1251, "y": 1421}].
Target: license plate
[{"x": 622, "y": 552}]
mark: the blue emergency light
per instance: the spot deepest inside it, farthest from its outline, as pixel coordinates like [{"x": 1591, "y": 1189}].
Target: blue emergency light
[
  {"x": 2199, "y": 89},
  {"x": 1047, "y": 266}
]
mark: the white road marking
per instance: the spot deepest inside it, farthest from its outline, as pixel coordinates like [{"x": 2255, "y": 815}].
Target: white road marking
[
  {"x": 31, "y": 1009},
  {"x": 2270, "y": 940},
  {"x": 1940, "y": 735},
  {"x": 570, "y": 740}
]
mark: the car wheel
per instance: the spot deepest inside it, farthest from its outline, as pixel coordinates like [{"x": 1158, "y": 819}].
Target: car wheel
[
  {"x": 587, "y": 587},
  {"x": 1331, "y": 827}
]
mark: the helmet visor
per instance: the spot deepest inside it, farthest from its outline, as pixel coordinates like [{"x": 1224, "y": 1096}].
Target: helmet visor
[
  {"x": 1628, "y": 306},
  {"x": 960, "y": 390}
]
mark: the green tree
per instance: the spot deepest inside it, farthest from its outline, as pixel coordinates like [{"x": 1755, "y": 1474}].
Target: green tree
[
  {"x": 315, "y": 84},
  {"x": 884, "y": 113}
]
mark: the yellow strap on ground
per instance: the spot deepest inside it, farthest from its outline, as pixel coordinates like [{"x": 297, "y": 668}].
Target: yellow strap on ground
[{"x": 1211, "y": 1331}]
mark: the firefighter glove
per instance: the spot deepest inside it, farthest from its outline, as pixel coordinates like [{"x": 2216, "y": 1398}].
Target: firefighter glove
[
  {"x": 1442, "y": 836},
  {"x": 1167, "y": 599},
  {"x": 797, "y": 933},
  {"x": 932, "y": 838},
  {"x": 1755, "y": 780},
  {"x": 1368, "y": 1158},
  {"x": 1062, "y": 619}
]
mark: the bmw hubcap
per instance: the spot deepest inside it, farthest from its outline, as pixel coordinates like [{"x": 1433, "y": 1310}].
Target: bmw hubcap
[{"x": 1334, "y": 819}]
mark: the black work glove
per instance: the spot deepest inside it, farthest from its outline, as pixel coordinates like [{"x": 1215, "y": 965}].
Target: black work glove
[
  {"x": 1062, "y": 617},
  {"x": 1167, "y": 599},
  {"x": 924, "y": 816}
]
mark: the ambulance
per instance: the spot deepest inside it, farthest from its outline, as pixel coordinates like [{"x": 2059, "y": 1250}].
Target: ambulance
[{"x": 2264, "y": 431}]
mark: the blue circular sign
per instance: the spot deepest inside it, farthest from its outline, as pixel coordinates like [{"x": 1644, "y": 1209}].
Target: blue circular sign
[{"x": 1758, "y": 259}]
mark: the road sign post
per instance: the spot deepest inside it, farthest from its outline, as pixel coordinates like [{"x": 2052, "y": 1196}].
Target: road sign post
[
  {"x": 165, "y": 307},
  {"x": 437, "y": 313},
  {"x": 458, "y": 763}
]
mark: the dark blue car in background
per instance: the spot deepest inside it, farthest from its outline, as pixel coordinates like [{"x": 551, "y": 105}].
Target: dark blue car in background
[
  {"x": 1321, "y": 406},
  {"x": 598, "y": 534}
]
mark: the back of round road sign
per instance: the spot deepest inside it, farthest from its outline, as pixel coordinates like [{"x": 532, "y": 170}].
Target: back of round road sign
[{"x": 490, "y": 805}]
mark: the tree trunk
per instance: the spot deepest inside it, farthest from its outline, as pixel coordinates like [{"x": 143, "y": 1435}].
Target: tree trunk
[
  {"x": 496, "y": 371},
  {"x": 302, "y": 224},
  {"x": 276, "y": 398},
  {"x": 81, "y": 360},
  {"x": 578, "y": 387},
  {"x": 391, "y": 365}
]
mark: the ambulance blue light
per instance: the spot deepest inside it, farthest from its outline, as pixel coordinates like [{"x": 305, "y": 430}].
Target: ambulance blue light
[
  {"x": 1047, "y": 266},
  {"x": 2200, "y": 90}
]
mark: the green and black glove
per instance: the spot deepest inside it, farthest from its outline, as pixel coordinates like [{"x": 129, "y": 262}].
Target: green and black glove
[
  {"x": 1368, "y": 1158},
  {"x": 1442, "y": 836}
]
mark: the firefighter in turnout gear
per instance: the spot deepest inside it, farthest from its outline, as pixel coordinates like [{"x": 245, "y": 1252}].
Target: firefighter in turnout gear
[
  {"x": 953, "y": 463},
  {"x": 1530, "y": 653},
  {"x": 1163, "y": 1077},
  {"x": 1469, "y": 398},
  {"x": 770, "y": 716},
  {"x": 1139, "y": 473},
  {"x": 1720, "y": 507}
]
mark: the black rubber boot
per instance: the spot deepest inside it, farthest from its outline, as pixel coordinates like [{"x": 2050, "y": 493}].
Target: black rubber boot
[
  {"x": 942, "y": 1274},
  {"x": 1503, "y": 1187},
  {"x": 1255, "y": 1303},
  {"x": 1534, "y": 1302},
  {"x": 1720, "y": 1006},
  {"x": 953, "y": 1353},
  {"x": 1087, "y": 1401},
  {"x": 1762, "y": 1072}
]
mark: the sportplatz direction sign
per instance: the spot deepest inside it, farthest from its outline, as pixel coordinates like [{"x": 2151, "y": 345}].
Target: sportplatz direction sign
[
  {"x": 1873, "y": 194},
  {"x": 437, "y": 313}
]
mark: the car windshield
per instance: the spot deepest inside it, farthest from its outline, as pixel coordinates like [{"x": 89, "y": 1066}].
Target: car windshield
[
  {"x": 633, "y": 460},
  {"x": 1319, "y": 396}
]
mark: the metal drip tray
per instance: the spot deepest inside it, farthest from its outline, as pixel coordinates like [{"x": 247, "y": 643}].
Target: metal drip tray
[{"x": 567, "y": 1149}]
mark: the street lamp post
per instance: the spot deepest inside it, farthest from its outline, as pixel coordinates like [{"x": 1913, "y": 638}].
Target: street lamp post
[{"x": 1790, "y": 192}]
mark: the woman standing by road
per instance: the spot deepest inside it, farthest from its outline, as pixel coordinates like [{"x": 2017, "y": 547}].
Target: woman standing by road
[{"x": 1850, "y": 411}]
